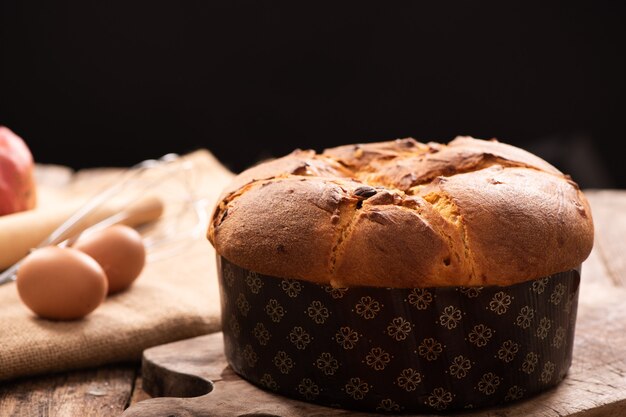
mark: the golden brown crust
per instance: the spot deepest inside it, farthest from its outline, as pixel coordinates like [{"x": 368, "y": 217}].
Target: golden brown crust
[
  {"x": 405, "y": 214},
  {"x": 299, "y": 162}
]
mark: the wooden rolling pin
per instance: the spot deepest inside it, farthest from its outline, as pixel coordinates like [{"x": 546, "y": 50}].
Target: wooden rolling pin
[{"x": 21, "y": 232}]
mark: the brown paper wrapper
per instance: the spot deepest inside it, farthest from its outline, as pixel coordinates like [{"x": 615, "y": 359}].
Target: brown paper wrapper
[{"x": 398, "y": 350}]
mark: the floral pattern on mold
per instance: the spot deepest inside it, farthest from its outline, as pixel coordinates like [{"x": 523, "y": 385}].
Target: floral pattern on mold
[{"x": 337, "y": 346}]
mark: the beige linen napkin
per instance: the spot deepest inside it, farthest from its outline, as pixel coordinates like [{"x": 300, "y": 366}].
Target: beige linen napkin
[{"x": 175, "y": 297}]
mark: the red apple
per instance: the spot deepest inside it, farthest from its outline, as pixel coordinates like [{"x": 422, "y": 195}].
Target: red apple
[{"x": 17, "y": 181}]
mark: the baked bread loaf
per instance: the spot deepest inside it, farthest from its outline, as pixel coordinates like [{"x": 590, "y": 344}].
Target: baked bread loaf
[{"x": 404, "y": 214}]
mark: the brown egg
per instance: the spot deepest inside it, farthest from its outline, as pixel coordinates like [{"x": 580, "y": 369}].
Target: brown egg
[
  {"x": 61, "y": 283},
  {"x": 120, "y": 252}
]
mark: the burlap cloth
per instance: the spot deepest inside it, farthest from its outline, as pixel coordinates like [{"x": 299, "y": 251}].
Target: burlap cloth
[{"x": 175, "y": 297}]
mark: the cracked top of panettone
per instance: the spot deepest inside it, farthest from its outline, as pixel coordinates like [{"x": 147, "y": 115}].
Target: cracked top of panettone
[{"x": 404, "y": 214}]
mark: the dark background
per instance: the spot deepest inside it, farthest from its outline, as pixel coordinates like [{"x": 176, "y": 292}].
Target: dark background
[{"x": 90, "y": 83}]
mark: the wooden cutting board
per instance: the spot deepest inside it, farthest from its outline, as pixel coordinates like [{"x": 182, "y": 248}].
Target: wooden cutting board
[{"x": 594, "y": 387}]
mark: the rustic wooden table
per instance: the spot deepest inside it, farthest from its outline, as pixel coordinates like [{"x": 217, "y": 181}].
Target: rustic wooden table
[{"x": 109, "y": 390}]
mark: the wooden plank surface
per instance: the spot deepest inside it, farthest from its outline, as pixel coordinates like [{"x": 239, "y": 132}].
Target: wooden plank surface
[
  {"x": 595, "y": 386},
  {"x": 101, "y": 392},
  {"x": 599, "y": 364},
  {"x": 609, "y": 214},
  {"x": 105, "y": 391}
]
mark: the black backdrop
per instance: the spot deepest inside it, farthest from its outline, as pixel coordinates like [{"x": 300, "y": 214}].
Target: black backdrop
[{"x": 90, "y": 83}]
